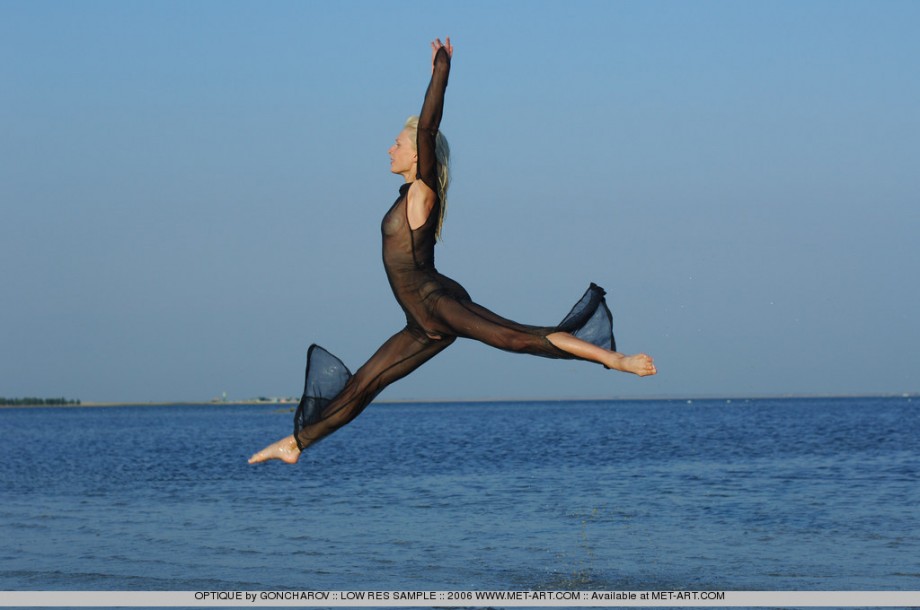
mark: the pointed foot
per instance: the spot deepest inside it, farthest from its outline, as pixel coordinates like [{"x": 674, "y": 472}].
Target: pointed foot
[
  {"x": 637, "y": 364},
  {"x": 285, "y": 450}
]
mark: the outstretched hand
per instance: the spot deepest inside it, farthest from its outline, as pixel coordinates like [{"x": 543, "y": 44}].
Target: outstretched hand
[{"x": 436, "y": 45}]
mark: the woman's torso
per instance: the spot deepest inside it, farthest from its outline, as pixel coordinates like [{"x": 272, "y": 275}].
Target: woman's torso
[{"x": 408, "y": 257}]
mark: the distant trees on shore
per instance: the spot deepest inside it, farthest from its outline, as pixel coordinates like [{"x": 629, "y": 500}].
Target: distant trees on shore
[{"x": 36, "y": 402}]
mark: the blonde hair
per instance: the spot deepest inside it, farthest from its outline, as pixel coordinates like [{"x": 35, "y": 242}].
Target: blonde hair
[{"x": 442, "y": 154}]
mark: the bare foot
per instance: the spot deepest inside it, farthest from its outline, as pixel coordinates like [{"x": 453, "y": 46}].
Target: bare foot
[
  {"x": 638, "y": 364},
  {"x": 285, "y": 450}
]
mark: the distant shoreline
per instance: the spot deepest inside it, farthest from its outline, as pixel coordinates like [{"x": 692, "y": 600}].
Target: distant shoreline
[{"x": 292, "y": 404}]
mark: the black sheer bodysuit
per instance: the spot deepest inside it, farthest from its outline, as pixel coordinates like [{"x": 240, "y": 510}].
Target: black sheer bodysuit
[{"x": 438, "y": 309}]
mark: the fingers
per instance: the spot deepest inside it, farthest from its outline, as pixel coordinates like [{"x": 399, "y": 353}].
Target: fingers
[{"x": 446, "y": 45}]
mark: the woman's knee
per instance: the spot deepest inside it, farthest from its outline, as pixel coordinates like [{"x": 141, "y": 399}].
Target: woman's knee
[
  {"x": 506, "y": 340},
  {"x": 520, "y": 342}
]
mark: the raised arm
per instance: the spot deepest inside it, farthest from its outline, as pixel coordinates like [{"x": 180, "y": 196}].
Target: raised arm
[{"x": 430, "y": 117}]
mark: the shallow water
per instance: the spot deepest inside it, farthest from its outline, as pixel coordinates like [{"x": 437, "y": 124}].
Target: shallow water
[{"x": 790, "y": 494}]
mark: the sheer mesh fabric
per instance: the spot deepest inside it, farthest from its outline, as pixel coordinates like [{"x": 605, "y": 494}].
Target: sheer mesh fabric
[
  {"x": 326, "y": 377},
  {"x": 437, "y": 309},
  {"x": 333, "y": 398},
  {"x": 590, "y": 320}
]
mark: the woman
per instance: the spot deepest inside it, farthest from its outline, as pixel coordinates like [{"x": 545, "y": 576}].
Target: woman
[{"x": 438, "y": 309}]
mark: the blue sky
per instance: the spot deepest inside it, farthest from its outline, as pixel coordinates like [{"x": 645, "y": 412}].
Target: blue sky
[{"x": 191, "y": 192}]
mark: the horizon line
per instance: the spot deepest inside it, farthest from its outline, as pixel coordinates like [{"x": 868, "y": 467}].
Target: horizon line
[{"x": 664, "y": 397}]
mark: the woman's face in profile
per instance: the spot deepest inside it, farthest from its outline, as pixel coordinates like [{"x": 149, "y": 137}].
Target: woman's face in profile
[{"x": 402, "y": 154}]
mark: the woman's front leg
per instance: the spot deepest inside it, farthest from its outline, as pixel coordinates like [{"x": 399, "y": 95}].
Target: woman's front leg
[{"x": 400, "y": 355}]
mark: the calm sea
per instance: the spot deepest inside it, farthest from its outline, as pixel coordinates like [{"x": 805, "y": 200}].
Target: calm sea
[{"x": 790, "y": 494}]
